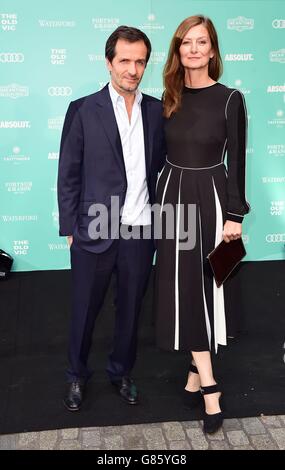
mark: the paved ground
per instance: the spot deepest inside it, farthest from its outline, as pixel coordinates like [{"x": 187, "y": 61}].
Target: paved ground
[{"x": 266, "y": 432}]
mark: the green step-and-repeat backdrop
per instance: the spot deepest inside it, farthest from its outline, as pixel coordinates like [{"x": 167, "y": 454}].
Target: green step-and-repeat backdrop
[{"x": 53, "y": 52}]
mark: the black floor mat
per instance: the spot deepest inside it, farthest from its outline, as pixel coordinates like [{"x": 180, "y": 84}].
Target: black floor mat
[{"x": 33, "y": 337}]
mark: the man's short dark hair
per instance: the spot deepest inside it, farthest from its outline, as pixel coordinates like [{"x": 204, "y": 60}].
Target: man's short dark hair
[{"x": 129, "y": 34}]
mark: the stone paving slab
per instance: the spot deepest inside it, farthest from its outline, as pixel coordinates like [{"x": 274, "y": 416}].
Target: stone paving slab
[{"x": 258, "y": 433}]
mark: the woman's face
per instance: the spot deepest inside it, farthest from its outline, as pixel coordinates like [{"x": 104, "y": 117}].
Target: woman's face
[{"x": 196, "y": 49}]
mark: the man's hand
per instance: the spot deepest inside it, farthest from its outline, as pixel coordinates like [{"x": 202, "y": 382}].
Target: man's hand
[
  {"x": 232, "y": 231},
  {"x": 70, "y": 240}
]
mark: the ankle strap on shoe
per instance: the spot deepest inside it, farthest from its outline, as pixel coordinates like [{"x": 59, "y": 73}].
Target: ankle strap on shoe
[
  {"x": 193, "y": 368},
  {"x": 209, "y": 389}
]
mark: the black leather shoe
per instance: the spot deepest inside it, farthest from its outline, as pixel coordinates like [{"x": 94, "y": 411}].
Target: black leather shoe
[
  {"x": 73, "y": 399},
  {"x": 127, "y": 389},
  {"x": 212, "y": 423}
]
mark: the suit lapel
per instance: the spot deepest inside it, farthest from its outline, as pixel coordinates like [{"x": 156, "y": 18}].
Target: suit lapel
[
  {"x": 148, "y": 132},
  {"x": 105, "y": 112}
]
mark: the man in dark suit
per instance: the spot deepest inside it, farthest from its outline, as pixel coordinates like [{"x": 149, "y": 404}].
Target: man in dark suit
[{"x": 112, "y": 150}]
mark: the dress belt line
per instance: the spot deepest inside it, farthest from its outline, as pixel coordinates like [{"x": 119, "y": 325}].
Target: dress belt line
[{"x": 189, "y": 168}]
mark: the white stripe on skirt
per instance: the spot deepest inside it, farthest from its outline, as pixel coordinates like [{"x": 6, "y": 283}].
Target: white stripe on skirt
[
  {"x": 176, "y": 334},
  {"x": 208, "y": 325},
  {"x": 218, "y": 293},
  {"x": 158, "y": 178},
  {"x": 164, "y": 192}
]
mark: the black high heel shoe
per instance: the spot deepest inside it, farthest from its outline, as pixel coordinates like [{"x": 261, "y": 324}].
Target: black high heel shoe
[
  {"x": 212, "y": 422},
  {"x": 192, "y": 399}
]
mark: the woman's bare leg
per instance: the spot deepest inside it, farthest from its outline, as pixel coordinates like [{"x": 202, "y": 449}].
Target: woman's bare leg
[
  {"x": 193, "y": 381},
  {"x": 204, "y": 365}
]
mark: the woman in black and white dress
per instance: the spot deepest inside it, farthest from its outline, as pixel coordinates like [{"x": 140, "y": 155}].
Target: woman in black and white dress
[{"x": 205, "y": 121}]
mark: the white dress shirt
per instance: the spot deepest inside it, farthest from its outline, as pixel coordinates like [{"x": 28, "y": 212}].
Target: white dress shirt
[{"x": 136, "y": 210}]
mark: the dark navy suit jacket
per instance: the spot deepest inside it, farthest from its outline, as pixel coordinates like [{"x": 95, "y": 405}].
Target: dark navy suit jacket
[{"x": 91, "y": 164}]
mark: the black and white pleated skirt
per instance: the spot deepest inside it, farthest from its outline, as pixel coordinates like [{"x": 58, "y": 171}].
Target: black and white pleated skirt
[{"x": 189, "y": 308}]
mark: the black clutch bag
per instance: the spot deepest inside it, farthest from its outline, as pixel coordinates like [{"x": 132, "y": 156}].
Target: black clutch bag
[{"x": 224, "y": 258}]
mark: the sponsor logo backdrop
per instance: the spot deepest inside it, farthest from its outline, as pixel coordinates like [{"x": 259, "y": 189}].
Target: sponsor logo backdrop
[{"x": 53, "y": 52}]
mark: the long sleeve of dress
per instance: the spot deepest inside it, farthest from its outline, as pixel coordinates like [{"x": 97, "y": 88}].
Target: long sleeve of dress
[{"x": 236, "y": 119}]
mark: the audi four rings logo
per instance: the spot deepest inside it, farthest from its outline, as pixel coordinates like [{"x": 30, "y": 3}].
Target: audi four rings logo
[
  {"x": 275, "y": 237},
  {"x": 59, "y": 91},
  {"x": 11, "y": 57},
  {"x": 278, "y": 24}
]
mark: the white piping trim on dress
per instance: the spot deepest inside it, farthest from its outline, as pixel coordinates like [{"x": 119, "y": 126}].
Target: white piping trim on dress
[
  {"x": 223, "y": 152},
  {"x": 176, "y": 334},
  {"x": 232, "y": 213},
  {"x": 208, "y": 325},
  {"x": 189, "y": 168},
  {"x": 164, "y": 192},
  {"x": 218, "y": 293},
  {"x": 226, "y": 107},
  {"x": 246, "y": 126},
  {"x": 158, "y": 178}
]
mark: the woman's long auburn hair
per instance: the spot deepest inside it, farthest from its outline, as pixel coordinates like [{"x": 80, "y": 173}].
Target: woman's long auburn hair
[{"x": 174, "y": 73}]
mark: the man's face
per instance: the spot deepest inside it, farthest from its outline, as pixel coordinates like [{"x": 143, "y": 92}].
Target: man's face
[{"x": 128, "y": 66}]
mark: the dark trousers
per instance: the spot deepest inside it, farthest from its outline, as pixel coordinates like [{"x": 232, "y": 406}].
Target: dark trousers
[{"x": 131, "y": 260}]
